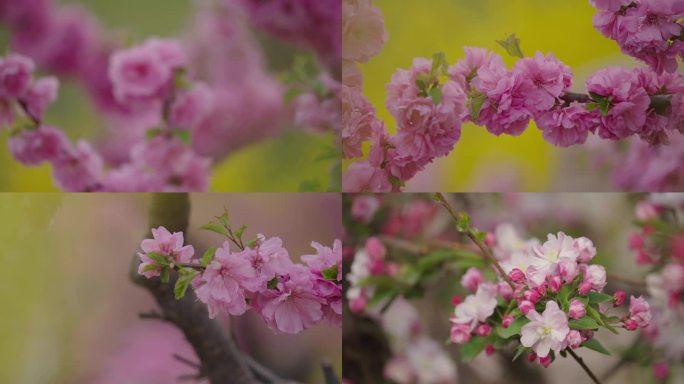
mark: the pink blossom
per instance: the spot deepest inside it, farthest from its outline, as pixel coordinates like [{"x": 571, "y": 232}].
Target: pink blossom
[
  {"x": 525, "y": 306},
  {"x": 476, "y": 308},
  {"x": 504, "y": 110},
  {"x": 330, "y": 290},
  {"x": 268, "y": 258},
  {"x": 586, "y": 250},
  {"x": 472, "y": 279},
  {"x": 358, "y": 304},
  {"x": 596, "y": 276},
  {"x": 225, "y": 282},
  {"x": 293, "y": 305},
  {"x": 567, "y": 125},
  {"x": 555, "y": 282},
  {"x": 577, "y": 309},
  {"x": 465, "y": 70},
  {"x": 628, "y": 102},
  {"x": 81, "y": 170},
  {"x": 164, "y": 243},
  {"x": 507, "y": 320},
  {"x": 673, "y": 277},
  {"x": 15, "y": 76},
  {"x": 618, "y": 298},
  {"x": 190, "y": 107},
  {"x": 364, "y": 207},
  {"x": 610, "y": 5},
  {"x": 358, "y": 121},
  {"x": 375, "y": 248},
  {"x": 460, "y": 333},
  {"x": 35, "y": 146},
  {"x": 362, "y": 176},
  {"x": 568, "y": 270},
  {"x": 545, "y": 361},
  {"x": 547, "y": 77},
  {"x": 363, "y": 30},
  {"x": 483, "y": 330},
  {"x": 661, "y": 370},
  {"x": 546, "y": 257},
  {"x": 517, "y": 275},
  {"x": 645, "y": 211},
  {"x": 545, "y": 332},
  {"x": 639, "y": 311},
  {"x": 40, "y": 95},
  {"x": 574, "y": 339}
]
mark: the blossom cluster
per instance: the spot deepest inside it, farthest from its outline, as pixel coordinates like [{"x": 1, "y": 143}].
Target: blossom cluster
[
  {"x": 659, "y": 244},
  {"x": 289, "y": 296},
  {"x": 649, "y": 30},
  {"x": 172, "y": 108},
  {"x": 551, "y": 299},
  {"x": 432, "y": 99}
]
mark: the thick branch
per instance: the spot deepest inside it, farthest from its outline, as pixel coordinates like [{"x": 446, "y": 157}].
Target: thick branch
[
  {"x": 658, "y": 102},
  {"x": 220, "y": 359}
]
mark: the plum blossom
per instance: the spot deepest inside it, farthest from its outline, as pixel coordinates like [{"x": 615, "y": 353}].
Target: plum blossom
[
  {"x": 548, "y": 78},
  {"x": 567, "y": 125},
  {"x": 476, "y": 308},
  {"x": 557, "y": 248},
  {"x": 166, "y": 244},
  {"x": 546, "y": 331},
  {"x": 15, "y": 76}
]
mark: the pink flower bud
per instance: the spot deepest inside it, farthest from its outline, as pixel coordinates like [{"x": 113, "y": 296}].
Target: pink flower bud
[
  {"x": 574, "y": 338},
  {"x": 636, "y": 241},
  {"x": 531, "y": 295},
  {"x": 517, "y": 275},
  {"x": 472, "y": 279},
  {"x": 618, "y": 298},
  {"x": 643, "y": 258},
  {"x": 489, "y": 349},
  {"x": 460, "y": 333},
  {"x": 577, "y": 309},
  {"x": 587, "y": 334},
  {"x": 375, "y": 249},
  {"x": 645, "y": 211},
  {"x": 505, "y": 290},
  {"x": 377, "y": 267},
  {"x": 545, "y": 361},
  {"x": 586, "y": 249},
  {"x": 555, "y": 283},
  {"x": 358, "y": 304},
  {"x": 532, "y": 357},
  {"x": 507, "y": 320},
  {"x": 639, "y": 311},
  {"x": 631, "y": 325},
  {"x": 15, "y": 76},
  {"x": 456, "y": 300},
  {"x": 596, "y": 275},
  {"x": 392, "y": 268},
  {"x": 490, "y": 239},
  {"x": 661, "y": 370},
  {"x": 677, "y": 248},
  {"x": 584, "y": 288},
  {"x": 483, "y": 330},
  {"x": 525, "y": 306}
]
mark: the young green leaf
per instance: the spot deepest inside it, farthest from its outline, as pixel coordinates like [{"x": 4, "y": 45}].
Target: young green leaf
[
  {"x": 597, "y": 297},
  {"x": 272, "y": 283},
  {"x": 331, "y": 273},
  {"x": 463, "y": 222},
  {"x": 521, "y": 349},
  {"x": 476, "y": 102},
  {"x": 595, "y": 345},
  {"x": 214, "y": 227},
  {"x": 513, "y": 329},
  {"x": 165, "y": 275},
  {"x": 185, "y": 277},
  {"x": 583, "y": 323},
  {"x": 158, "y": 258},
  {"x": 208, "y": 256},
  {"x": 436, "y": 95},
  {"x": 473, "y": 348},
  {"x": 512, "y": 46}
]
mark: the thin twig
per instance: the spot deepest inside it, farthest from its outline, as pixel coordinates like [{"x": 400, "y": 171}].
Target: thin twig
[
  {"x": 153, "y": 315},
  {"x": 580, "y": 361},
  {"x": 187, "y": 361},
  {"x": 486, "y": 252},
  {"x": 658, "y": 102}
]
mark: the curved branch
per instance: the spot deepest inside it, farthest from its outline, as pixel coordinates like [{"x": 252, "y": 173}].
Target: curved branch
[{"x": 220, "y": 358}]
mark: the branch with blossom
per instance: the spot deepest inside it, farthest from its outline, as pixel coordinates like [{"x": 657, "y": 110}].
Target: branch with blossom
[
  {"x": 173, "y": 108},
  {"x": 433, "y": 98}
]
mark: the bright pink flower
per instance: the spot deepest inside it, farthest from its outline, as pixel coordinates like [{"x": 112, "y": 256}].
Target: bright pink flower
[
  {"x": 577, "y": 309},
  {"x": 489, "y": 349},
  {"x": 293, "y": 305},
  {"x": 165, "y": 244},
  {"x": 190, "y": 107},
  {"x": 547, "y": 79},
  {"x": 483, "y": 330},
  {"x": 545, "y": 361},
  {"x": 465, "y": 70},
  {"x": 661, "y": 370},
  {"x": 224, "y": 284},
  {"x": 618, "y": 298},
  {"x": 532, "y": 295},
  {"x": 364, "y": 207},
  {"x": 40, "y": 95},
  {"x": 546, "y": 331},
  {"x": 505, "y": 110},
  {"x": 555, "y": 283},
  {"x": 268, "y": 258},
  {"x": 584, "y": 288},
  {"x": 507, "y": 320},
  {"x": 567, "y": 125},
  {"x": 517, "y": 275},
  {"x": 472, "y": 279},
  {"x": 639, "y": 311},
  {"x": 574, "y": 339},
  {"x": 460, "y": 333},
  {"x": 15, "y": 76},
  {"x": 627, "y": 102},
  {"x": 35, "y": 146},
  {"x": 525, "y": 306}
]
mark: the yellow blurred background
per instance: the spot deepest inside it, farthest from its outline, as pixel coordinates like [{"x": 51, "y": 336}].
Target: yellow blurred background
[
  {"x": 481, "y": 161},
  {"x": 282, "y": 163}
]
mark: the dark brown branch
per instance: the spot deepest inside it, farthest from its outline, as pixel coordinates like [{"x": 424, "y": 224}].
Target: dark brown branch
[
  {"x": 658, "y": 102},
  {"x": 220, "y": 358}
]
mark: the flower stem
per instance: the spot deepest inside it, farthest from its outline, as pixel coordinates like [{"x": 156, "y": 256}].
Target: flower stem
[
  {"x": 486, "y": 252},
  {"x": 580, "y": 361}
]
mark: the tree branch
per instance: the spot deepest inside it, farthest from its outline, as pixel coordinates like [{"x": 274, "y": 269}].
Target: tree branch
[
  {"x": 580, "y": 361},
  {"x": 658, "y": 102},
  {"x": 220, "y": 359}
]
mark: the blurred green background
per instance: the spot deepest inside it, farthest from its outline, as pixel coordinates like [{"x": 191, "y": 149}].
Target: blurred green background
[
  {"x": 481, "y": 161},
  {"x": 279, "y": 164},
  {"x": 69, "y": 308}
]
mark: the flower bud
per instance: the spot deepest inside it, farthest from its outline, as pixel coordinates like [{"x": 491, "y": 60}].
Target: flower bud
[
  {"x": 507, "y": 320},
  {"x": 577, "y": 309},
  {"x": 574, "y": 339},
  {"x": 483, "y": 330},
  {"x": 618, "y": 298},
  {"x": 525, "y": 306},
  {"x": 472, "y": 279},
  {"x": 517, "y": 275}
]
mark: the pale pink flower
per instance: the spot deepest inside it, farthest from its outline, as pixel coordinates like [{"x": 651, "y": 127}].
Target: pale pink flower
[
  {"x": 639, "y": 311},
  {"x": 465, "y": 70},
  {"x": 545, "y": 332},
  {"x": 546, "y": 257},
  {"x": 574, "y": 339},
  {"x": 596, "y": 276},
  {"x": 138, "y": 73},
  {"x": 225, "y": 282},
  {"x": 472, "y": 279},
  {"x": 586, "y": 250},
  {"x": 673, "y": 277},
  {"x": 362, "y": 176},
  {"x": 267, "y": 257},
  {"x": 363, "y": 30},
  {"x": 577, "y": 309},
  {"x": 165, "y": 244},
  {"x": 476, "y": 308},
  {"x": 293, "y": 305}
]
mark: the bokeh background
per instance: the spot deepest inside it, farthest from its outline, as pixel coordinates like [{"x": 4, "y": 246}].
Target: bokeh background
[
  {"x": 482, "y": 161},
  {"x": 281, "y": 163},
  {"x": 70, "y": 314}
]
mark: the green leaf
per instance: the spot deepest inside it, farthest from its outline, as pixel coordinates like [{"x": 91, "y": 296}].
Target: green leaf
[
  {"x": 473, "y": 347},
  {"x": 594, "y": 314},
  {"x": 463, "y": 222},
  {"x": 476, "y": 101},
  {"x": 208, "y": 256},
  {"x": 214, "y": 227},
  {"x": 513, "y": 329},
  {"x": 152, "y": 133},
  {"x": 439, "y": 64},
  {"x": 158, "y": 258},
  {"x": 521, "y": 349},
  {"x": 436, "y": 95},
  {"x": 512, "y": 46},
  {"x": 240, "y": 231},
  {"x": 583, "y": 323},
  {"x": 183, "y": 135},
  {"x": 150, "y": 267},
  {"x": 563, "y": 297},
  {"x": 331, "y": 273},
  {"x": 185, "y": 277},
  {"x": 310, "y": 186},
  {"x": 272, "y": 283},
  {"x": 595, "y": 345},
  {"x": 597, "y": 297},
  {"x": 165, "y": 275},
  {"x": 383, "y": 293},
  {"x": 435, "y": 259},
  {"x": 251, "y": 243}
]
